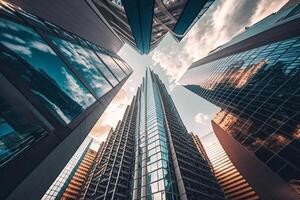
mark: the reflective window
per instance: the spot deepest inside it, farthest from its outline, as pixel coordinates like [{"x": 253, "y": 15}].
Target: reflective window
[
  {"x": 120, "y": 63},
  {"x": 86, "y": 63},
  {"x": 60, "y": 92},
  {"x": 16, "y": 130},
  {"x": 113, "y": 66}
]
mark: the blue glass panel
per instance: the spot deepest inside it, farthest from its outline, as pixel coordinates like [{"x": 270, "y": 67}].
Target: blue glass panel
[
  {"x": 16, "y": 131},
  {"x": 86, "y": 63},
  {"x": 60, "y": 92}
]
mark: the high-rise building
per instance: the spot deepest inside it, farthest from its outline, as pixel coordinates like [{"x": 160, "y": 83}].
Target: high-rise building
[
  {"x": 255, "y": 79},
  {"x": 234, "y": 185},
  {"x": 150, "y": 154},
  {"x": 73, "y": 188},
  {"x": 143, "y": 23},
  {"x": 54, "y": 87},
  {"x": 58, "y": 186},
  {"x": 73, "y": 177}
]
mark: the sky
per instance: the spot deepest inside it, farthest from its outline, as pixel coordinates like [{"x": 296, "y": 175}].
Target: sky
[{"x": 170, "y": 59}]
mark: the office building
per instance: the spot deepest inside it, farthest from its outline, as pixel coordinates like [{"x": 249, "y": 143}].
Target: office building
[
  {"x": 54, "y": 87},
  {"x": 255, "y": 79},
  {"x": 73, "y": 177},
  {"x": 234, "y": 185},
  {"x": 150, "y": 154},
  {"x": 73, "y": 188},
  {"x": 58, "y": 186},
  {"x": 143, "y": 23}
]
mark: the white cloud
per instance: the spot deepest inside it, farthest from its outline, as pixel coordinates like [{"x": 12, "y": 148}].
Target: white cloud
[
  {"x": 201, "y": 118},
  {"x": 111, "y": 116},
  {"x": 18, "y": 48},
  {"x": 15, "y": 38},
  {"x": 79, "y": 94},
  {"x": 42, "y": 47},
  {"x": 223, "y": 20}
]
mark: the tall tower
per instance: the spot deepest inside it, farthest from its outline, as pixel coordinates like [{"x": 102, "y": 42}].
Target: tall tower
[
  {"x": 255, "y": 79},
  {"x": 232, "y": 182},
  {"x": 150, "y": 154}
]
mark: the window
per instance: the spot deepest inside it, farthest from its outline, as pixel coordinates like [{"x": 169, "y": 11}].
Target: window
[
  {"x": 61, "y": 92},
  {"x": 86, "y": 63},
  {"x": 16, "y": 130},
  {"x": 113, "y": 66}
]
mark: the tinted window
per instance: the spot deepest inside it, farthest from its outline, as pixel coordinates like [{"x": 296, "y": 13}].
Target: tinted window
[
  {"x": 120, "y": 63},
  {"x": 113, "y": 66},
  {"x": 49, "y": 79},
  {"x": 15, "y": 130},
  {"x": 86, "y": 63}
]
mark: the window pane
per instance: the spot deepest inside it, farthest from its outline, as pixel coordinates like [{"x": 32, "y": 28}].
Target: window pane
[
  {"x": 112, "y": 79},
  {"x": 113, "y": 66},
  {"x": 85, "y": 62},
  {"x": 16, "y": 131},
  {"x": 122, "y": 66},
  {"x": 60, "y": 92}
]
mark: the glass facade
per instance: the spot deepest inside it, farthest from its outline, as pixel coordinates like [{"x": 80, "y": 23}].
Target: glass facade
[
  {"x": 144, "y": 150},
  {"x": 234, "y": 185},
  {"x": 258, "y": 91},
  {"x": 156, "y": 179},
  {"x": 56, "y": 72},
  {"x": 57, "y": 188}
]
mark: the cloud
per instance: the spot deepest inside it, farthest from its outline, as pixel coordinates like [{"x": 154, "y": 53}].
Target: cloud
[
  {"x": 201, "y": 118},
  {"x": 223, "y": 20},
  {"x": 18, "y": 48},
  {"x": 77, "y": 92},
  {"x": 14, "y": 38},
  {"x": 42, "y": 47},
  {"x": 111, "y": 116}
]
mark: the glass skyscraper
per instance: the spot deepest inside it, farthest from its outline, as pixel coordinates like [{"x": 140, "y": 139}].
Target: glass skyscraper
[
  {"x": 150, "y": 154},
  {"x": 234, "y": 185},
  {"x": 54, "y": 87},
  {"x": 144, "y": 23},
  {"x": 255, "y": 79}
]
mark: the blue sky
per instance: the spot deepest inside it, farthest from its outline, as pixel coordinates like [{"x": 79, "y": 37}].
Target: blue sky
[{"x": 223, "y": 20}]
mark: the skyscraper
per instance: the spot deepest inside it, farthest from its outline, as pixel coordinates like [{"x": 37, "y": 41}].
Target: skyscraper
[
  {"x": 79, "y": 175},
  {"x": 143, "y": 23},
  {"x": 232, "y": 182},
  {"x": 58, "y": 186},
  {"x": 255, "y": 79},
  {"x": 54, "y": 87},
  {"x": 151, "y": 155}
]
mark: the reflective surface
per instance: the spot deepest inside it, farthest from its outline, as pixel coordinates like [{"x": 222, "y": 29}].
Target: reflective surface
[
  {"x": 27, "y": 44},
  {"x": 54, "y": 77},
  {"x": 86, "y": 64},
  {"x": 113, "y": 66},
  {"x": 258, "y": 91}
]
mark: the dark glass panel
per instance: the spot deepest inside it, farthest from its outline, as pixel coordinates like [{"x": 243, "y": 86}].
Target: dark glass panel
[
  {"x": 85, "y": 62},
  {"x": 61, "y": 92},
  {"x": 16, "y": 130},
  {"x": 113, "y": 66}
]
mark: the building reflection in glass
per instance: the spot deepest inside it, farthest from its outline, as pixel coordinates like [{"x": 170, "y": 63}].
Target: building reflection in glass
[
  {"x": 258, "y": 91},
  {"x": 55, "y": 77}
]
